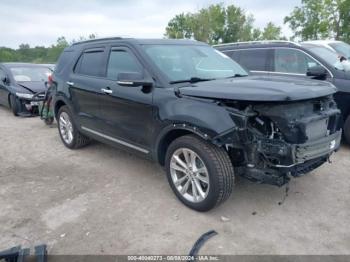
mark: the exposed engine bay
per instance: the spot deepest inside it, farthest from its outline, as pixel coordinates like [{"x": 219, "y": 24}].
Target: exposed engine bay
[{"x": 274, "y": 140}]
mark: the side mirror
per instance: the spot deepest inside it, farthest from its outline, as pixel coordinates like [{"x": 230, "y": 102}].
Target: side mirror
[
  {"x": 318, "y": 72},
  {"x": 133, "y": 79}
]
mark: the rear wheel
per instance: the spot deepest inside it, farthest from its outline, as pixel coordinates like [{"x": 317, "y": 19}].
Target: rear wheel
[
  {"x": 69, "y": 133},
  {"x": 347, "y": 130},
  {"x": 200, "y": 173},
  {"x": 15, "y": 105}
]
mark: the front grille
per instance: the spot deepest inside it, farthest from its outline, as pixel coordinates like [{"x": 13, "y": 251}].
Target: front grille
[{"x": 318, "y": 148}]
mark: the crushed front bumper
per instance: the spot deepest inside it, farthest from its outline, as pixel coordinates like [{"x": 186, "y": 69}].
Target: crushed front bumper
[
  {"x": 282, "y": 160},
  {"x": 30, "y": 106}
]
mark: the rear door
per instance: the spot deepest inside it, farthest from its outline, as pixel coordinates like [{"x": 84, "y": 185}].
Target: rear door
[
  {"x": 126, "y": 112},
  {"x": 85, "y": 84}
]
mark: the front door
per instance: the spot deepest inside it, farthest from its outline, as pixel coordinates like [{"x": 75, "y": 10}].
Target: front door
[
  {"x": 126, "y": 112},
  {"x": 293, "y": 62}
]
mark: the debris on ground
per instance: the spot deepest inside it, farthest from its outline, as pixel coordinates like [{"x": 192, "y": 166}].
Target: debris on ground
[{"x": 224, "y": 219}]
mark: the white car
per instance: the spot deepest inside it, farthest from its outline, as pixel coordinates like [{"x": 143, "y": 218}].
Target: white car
[{"x": 340, "y": 47}]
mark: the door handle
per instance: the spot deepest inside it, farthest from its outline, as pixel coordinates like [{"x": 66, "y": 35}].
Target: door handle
[
  {"x": 70, "y": 83},
  {"x": 107, "y": 91}
]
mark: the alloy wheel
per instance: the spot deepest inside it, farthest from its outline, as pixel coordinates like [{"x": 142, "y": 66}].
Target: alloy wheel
[
  {"x": 66, "y": 128},
  {"x": 189, "y": 175}
]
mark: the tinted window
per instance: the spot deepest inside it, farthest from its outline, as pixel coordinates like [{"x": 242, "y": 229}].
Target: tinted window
[
  {"x": 233, "y": 54},
  {"x": 253, "y": 59},
  {"x": 90, "y": 63},
  {"x": 121, "y": 61},
  {"x": 292, "y": 61}
]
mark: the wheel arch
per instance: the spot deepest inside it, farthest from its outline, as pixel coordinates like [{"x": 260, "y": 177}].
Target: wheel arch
[
  {"x": 169, "y": 134},
  {"x": 58, "y": 104}
]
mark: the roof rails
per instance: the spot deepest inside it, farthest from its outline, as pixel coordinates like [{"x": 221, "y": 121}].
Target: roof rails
[
  {"x": 260, "y": 42},
  {"x": 97, "y": 39}
]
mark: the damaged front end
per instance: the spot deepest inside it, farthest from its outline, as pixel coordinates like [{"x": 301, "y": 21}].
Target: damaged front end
[
  {"x": 274, "y": 140},
  {"x": 28, "y": 104}
]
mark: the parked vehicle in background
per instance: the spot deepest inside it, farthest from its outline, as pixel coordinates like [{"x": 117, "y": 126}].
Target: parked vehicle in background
[
  {"x": 341, "y": 48},
  {"x": 51, "y": 66},
  {"x": 298, "y": 61},
  {"x": 22, "y": 86},
  {"x": 194, "y": 111}
]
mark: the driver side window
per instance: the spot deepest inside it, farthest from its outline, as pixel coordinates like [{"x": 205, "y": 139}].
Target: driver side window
[
  {"x": 292, "y": 61},
  {"x": 121, "y": 61}
]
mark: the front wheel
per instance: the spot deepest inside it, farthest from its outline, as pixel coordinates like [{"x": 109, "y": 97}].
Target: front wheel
[
  {"x": 68, "y": 131},
  {"x": 200, "y": 173},
  {"x": 15, "y": 105}
]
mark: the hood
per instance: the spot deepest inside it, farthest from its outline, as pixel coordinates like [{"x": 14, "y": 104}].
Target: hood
[
  {"x": 260, "y": 88},
  {"x": 33, "y": 87}
]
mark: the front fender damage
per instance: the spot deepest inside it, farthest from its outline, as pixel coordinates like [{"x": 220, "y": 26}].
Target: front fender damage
[{"x": 271, "y": 142}]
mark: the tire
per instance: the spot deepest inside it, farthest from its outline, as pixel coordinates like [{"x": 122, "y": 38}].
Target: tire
[
  {"x": 15, "y": 105},
  {"x": 68, "y": 131},
  {"x": 347, "y": 130},
  {"x": 209, "y": 157}
]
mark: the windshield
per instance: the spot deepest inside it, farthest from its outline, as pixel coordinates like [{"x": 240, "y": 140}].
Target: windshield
[
  {"x": 184, "y": 62},
  {"x": 330, "y": 57},
  {"x": 342, "y": 48},
  {"x": 30, "y": 74}
]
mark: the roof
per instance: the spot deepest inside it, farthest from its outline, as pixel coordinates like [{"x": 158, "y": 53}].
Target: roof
[
  {"x": 256, "y": 44},
  {"x": 321, "y": 42},
  {"x": 141, "y": 41}
]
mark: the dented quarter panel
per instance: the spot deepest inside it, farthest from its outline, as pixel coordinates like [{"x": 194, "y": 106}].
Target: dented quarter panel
[{"x": 201, "y": 116}]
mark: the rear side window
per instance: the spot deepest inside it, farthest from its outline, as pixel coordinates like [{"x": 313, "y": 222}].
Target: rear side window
[
  {"x": 121, "y": 61},
  {"x": 253, "y": 59},
  {"x": 233, "y": 54},
  {"x": 90, "y": 63}
]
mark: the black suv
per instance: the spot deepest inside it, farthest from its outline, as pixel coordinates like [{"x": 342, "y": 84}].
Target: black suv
[
  {"x": 304, "y": 60},
  {"x": 196, "y": 112}
]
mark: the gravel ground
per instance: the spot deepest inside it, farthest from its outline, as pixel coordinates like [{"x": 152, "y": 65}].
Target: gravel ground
[{"x": 101, "y": 200}]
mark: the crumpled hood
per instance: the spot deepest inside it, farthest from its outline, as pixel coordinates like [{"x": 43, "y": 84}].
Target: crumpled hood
[
  {"x": 260, "y": 88},
  {"x": 33, "y": 87}
]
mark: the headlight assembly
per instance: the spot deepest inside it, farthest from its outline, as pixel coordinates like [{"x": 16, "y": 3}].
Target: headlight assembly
[{"x": 23, "y": 95}]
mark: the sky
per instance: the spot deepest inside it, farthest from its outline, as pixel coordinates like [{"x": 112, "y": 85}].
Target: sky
[{"x": 40, "y": 23}]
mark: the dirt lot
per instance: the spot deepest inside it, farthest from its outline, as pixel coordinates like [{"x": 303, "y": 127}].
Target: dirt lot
[{"x": 101, "y": 200}]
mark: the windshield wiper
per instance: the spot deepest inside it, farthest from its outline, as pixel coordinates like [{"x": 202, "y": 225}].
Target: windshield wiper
[
  {"x": 237, "y": 75},
  {"x": 191, "y": 80}
]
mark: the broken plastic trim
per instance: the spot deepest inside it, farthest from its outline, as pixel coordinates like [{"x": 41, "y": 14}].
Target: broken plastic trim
[{"x": 200, "y": 242}]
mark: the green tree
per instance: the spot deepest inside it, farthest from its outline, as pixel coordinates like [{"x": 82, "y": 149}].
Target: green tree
[
  {"x": 180, "y": 27},
  {"x": 319, "y": 19},
  {"x": 38, "y": 54},
  {"x": 218, "y": 24},
  {"x": 272, "y": 32}
]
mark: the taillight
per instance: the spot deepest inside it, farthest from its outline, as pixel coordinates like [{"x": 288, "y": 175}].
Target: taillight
[{"x": 49, "y": 81}]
